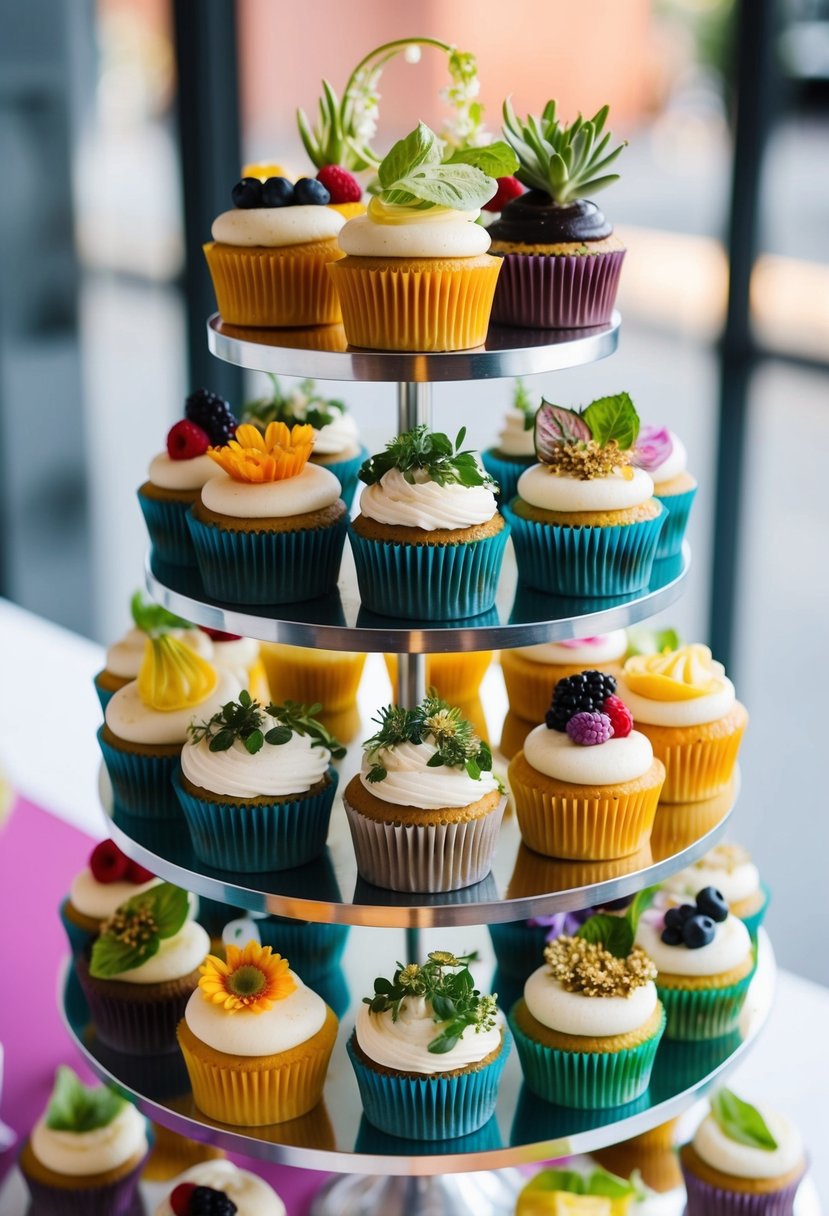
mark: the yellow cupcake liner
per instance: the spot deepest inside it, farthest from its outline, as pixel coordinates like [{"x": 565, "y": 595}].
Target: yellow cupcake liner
[
  {"x": 659, "y": 1167},
  {"x": 680, "y": 824},
  {"x": 455, "y": 676},
  {"x": 588, "y": 828},
  {"x": 530, "y": 685},
  {"x": 696, "y": 768},
  {"x": 274, "y": 287},
  {"x": 251, "y": 1091},
  {"x": 534, "y": 874},
  {"x": 313, "y": 676},
  {"x": 416, "y": 310}
]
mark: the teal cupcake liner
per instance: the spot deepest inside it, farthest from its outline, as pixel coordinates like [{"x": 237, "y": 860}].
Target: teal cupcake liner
[
  {"x": 429, "y": 1108},
  {"x": 755, "y": 920},
  {"x": 678, "y": 508},
  {"x": 703, "y": 1013},
  {"x": 428, "y": 582},
  {"x": 268, "y": 567},
  {"x": 346, "y": 473},
  {"x": 585, "y": 561},
  {"x": 486, "y": 1139},
  {"x": 104, "y": 695},
  {"x": 169, "y": 534},
  {"x": 505, "y": 472},
  {"x": 79, "y": 939},
  {"x": 311, "y": 949},
  {"x": 252, "y": 838},
  {"x": 586, "y": 1080},
  {"x": 519, "y": 947},
  {"x": 141, "y": 785}
]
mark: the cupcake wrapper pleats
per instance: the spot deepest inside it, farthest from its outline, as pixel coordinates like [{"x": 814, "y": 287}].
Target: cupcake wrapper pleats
[
  {"x": 79, "y": 939},
  {"x": 346, "y": 473},
  {"x": 167, "y": 525},
  {"x": 312, "y": 949},
  {"x": 703, "y": 1199},
  {"x": 755, "y": 919},
  {"x": 117, "y": 1198},
  {"x": 698, "y": 769},
  {"x": 310, "y": 680},
  {"x": 559, "y": 291},
  {"x": 519, "y": 947},
  {"x": 703, "y": 1013},
  {"x": 506, "y": 473},
  {"x": 678, "y": 507},
  {"x": 141, "y": 785},
  {"x": 129, "y": 1025},
  {"x": 259, "y": 287}
]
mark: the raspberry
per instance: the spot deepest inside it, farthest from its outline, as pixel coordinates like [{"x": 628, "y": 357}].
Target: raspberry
[
  {"x": 584, "y": 693},
  {"x": 218, "y": 636},
  {"x": 340, "y": 184},
  {"x": 213, "y": 414},
  {"x": 138, "y": 874},
  {"x": 180, "y": 1198},
  {"x": 508, "y": 189},
  {"x": 187, "y": 440},
  {"x": 621, "y": 718},
  {"x": 205, "y": 1201},
  {"x": 108, "y": 863},
  {"x": 587, "y": 729}
]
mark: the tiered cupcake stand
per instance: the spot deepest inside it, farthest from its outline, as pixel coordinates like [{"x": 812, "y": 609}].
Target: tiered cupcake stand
[{"x": 381, "y": 1174}]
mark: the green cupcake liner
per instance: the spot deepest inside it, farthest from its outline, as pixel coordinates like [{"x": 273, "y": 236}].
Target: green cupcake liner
[
  {"x": 311, "y": 949},
  {"x": 428, "y": 582},
  {"x": 585, "y": 561},
  {"x": 268, "y": 567},
  {"x": 505, "y": 472},
  {"x": 703, "y": 1013},
  {"x": 141, "y": 785},
  {"x": 678, "y": 507},
  {"x": 586, "y": 1080},
  {"x": 346, "y": 473},
  {"x": 755, "y": 920},
  {"x": 169, "y": 534}
]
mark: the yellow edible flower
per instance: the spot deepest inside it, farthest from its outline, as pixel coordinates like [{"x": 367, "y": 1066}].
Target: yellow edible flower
[
  {"x": 253, "y": 979},
  {"x": 172, "y": 676},
  {"x": 278, "y": 454}
]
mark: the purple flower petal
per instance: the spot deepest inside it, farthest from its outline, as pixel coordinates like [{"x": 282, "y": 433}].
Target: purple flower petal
[
  {"x": 555, "y": 425},
  {"x": 652, "y": 448}
]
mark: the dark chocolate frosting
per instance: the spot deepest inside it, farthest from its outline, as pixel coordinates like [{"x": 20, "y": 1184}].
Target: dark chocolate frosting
[{"x": 534, "y": 219}]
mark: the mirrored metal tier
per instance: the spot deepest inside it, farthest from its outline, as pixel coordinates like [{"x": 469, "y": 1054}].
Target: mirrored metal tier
[
  {"x": 521, "y": 616},
  {"x": 336, "y": 1136},
  {"x": 323, "y": 353}
]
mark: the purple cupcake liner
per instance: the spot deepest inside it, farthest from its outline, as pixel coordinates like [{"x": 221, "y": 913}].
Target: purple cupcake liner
[
  {"x": 446, "y": 857},
  {"x": 557, "y": 291},
  {"x": 678, "y": 508},
  {"x": 167, "y": 525},
  {"x": 506, "y": 473},
  {"x": 117, "y": 1198},
  {"x": 141, "y": 785},
  {"x": 703, "y": 1199},
  {"x": 128, "y": 1025},
  {"x": 268, "y": 567}
]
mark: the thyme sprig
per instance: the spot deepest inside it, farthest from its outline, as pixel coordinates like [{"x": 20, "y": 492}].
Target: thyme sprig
[
  {"x": 303, "y": 405},
  {"x": 432, "y": 452},
  {"x": 245, "y": 719},
  {"x": 445, "y": 981},
  {"x": 454, "y": 738}
]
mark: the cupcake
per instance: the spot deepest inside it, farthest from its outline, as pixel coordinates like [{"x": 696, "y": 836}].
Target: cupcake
[
  {"x": 328, "y": 678},
  {"x": 85, "y": 1154},
  {"x": 255, "y": 1039},
  {"x": 515, "y": 450},
  {"x": 743, "y": 1161},
  {"x": 270, "y": 529},
  {"x": 145, "y": 725},
  {"x": 425, "y": 809},
  {"x": 561, "y": 260},
  {"x": 585, "y": 522},
  {"x": 585, "y": 784},
  {"x": 417, "y": 275},
  {"x": 686, "y": 705},
  {"x": 176, "y": 475},
  {"x": 455, "y": 676},
  {"x": 598, "y": 1193},
  {"x": 243, "y": 658},
  {"x": 316, "y": 949},
  {"x": 428, "y": 1050},
  {"x": 519, "y": 944},
  {"x": 652, "y": 1154},
  {"x": 706, "y": 962},
  {"x": 532, "y": 672},
  {"x": 337, "y": 444},
  {"x": 268, "y": 256},
  {"x": 256, "y": 786},
  {"x": 199, "y": 1192},
  {"x": 727, "y": 868},
  {"x": 662, "y": 454},
  {"x": 429, "y": 541},
  {"x": 173, "y": 1153},
  {"x": 590, "y": 1021},
  {"x": 95, "y": 894},
  {"x": 142, "y": 969}
]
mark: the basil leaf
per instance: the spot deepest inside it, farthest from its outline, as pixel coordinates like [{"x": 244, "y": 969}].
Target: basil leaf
[
  {"x": 110, "y": 957},
  {"x": 611, "y": 1186},
  {"x": 461, "y": 187},
  {"x": 496, "y": 159},
  {"x": 741, "y": 1122},
  {"x": 169, "y": 906},
  {"x": 74, "y": 1107},
  {"x": 612, "y": 932},
  {"x": 641, "y": 900},
  {"x": 569, "y": 1181},
  {"x": 420, "y": 147},
  {"x": 642, "y": 639},
  {"x": 613, "y": 418}
]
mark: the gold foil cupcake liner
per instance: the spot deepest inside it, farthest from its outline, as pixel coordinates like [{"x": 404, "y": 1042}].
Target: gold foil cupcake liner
[
  {"x": 274, "y": 287},
  {"x": 310, "y": 677},
  {"x": 455, "y": 676}
]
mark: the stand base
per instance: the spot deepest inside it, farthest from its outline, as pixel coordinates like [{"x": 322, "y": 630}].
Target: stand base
[{"x": 488, "y": 1193}]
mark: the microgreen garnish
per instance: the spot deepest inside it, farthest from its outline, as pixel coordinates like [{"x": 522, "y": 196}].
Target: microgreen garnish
[
  {"x": 566, "y": 161},
  {"x": 445, "y": 981},
  {"x": 432, "y": 452},
  {"x": 617, "y": 933},
  {"x": 154, "y": 620},
  {"x": 454, "y": 738},
  {"x": 741, "y": 1122},
  {"x": 134, "y": 932},
  {"x": 415, "y": 174},
  {"x": 523, "y": 401},
  {"x": 302, "y": 405},
  {"x": 590, "y": 442},
  {"x": 245, "y": 720},
  {"x": 74, "y": 1107}
]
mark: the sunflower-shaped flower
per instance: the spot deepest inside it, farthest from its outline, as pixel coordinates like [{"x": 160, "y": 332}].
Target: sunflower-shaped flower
[
  {"x": 253, "y": 979},
  {"x": 279, "y": 453}
]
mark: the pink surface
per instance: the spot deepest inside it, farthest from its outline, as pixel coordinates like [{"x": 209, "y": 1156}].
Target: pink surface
[{"x": 38, "y": 856}]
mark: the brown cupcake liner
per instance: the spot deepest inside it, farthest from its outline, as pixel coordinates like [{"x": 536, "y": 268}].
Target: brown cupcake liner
[
  {"x": 267, "y": 287},
  {"x": 557, "y": 291}
]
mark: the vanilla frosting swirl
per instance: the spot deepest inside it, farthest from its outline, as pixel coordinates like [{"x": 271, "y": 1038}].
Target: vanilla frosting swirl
[
  {"x": 436, "y": 232},
  {"x": 675, "y": 462},
  {"x": 339, "y": 435},
  {"x": 574, "y": 1013},
  {"x": 729, "y": 948},
  {"x": 726, "y": 867},
  {"x": 289, "y": 1022},
  {"x": 513, "y": 438},
  {"x": 553, "y": 753},
  {"x": 124, "y": 657},
  {"x": 410, "y": 782},
  {"x": 80, "y": 1154},
  {"x": 251, "y": 1194},
  {"x": 176, "y": 957},
  {"x": 425, "y": 504},
  {"x": 190, "y": 474},
  {"x": 130, "y": 719},
  {"x": 404, "y": 1045},
  {"x": 541, "y": 487},
  {"x": 275, "y": 227},
  {"x": 745, "y": 1160},
  {"x": 683, "y": 687},
  {"x": 588, "y": 653},
  {"x": 100, "y": 899},
  {"x": 275, "y": 770},
  {"x": 313, "y": 489}
]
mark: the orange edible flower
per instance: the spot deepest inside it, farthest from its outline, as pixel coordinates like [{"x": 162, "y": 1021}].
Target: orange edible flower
[
  {"x": 252, "y": 979},
  {"x": 253, "y": 457}
]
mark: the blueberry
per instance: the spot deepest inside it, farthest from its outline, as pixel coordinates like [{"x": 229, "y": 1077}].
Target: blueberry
[
  {"x": 309, "y": 190},
  {"x": 711, "y": 903},
  {"x": 686, "y": 911},
  {"x": 698, "y": 931},
  {"x": 674, "y": 918},
  {"x": 277, "y": 192},
  {"x": 247, "y": 193},
  {"x": 672, "y": 936}
]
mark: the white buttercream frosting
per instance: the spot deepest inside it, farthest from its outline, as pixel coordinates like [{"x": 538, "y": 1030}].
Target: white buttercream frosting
[
  {"x": 251, "y": 1194},
  {"x": 593, "y": 1016},
  {"x": 541, "y": 487},
  {"x": 189, "y": 474},
  {"x": 693, "y": 712},
  {"x": 425, "y": 504},
  {"x": 176, "y": 956},
  {"x": 588, "y": 653},
  {"x": 339, "y": 435},
  {"x": 289, "y": 1022},
  {"x": 275, "y": 770},
  {"x": 239, "y": 654},
  {"x": 553, "y": 753},
  {"x": 730, "y": 948},
  {"x": 100, "y": 899},
  {"x": 676, "y": 462},
  {"x": 124, "y": 657},
  {"x": 410, "y": 782},
  {"x": 130, "y": 719},
  {"x": 726, "y": 867},
  {"x": 276, "y": 226},
  {"x": 313, "y": 489},
  {"x": 79, "y": 1154},
  {"x": 745, "y": 1161},
  {"x": 435, "y": 233},
  {"x": 404, "y": 1045},
  {"x": 513, "y": 438}
]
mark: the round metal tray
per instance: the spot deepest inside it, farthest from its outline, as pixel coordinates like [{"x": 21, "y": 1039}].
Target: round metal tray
[{"x": 322, "y": 353}]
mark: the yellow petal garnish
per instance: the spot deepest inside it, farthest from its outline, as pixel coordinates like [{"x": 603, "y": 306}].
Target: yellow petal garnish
[
  {"x": 407, "y": 213},
  {"x": 674, "y": 675},
  {"x": 173, "y": 676},
  {"x": 564, "y": 1203},
  {"x": 278, "y": 454},
  {"x": 253, "y": 979},
  {"x": 264, "y": 169}
]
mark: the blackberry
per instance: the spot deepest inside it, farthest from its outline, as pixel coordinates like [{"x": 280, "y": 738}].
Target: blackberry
[
  {"x": 206, "y": 1202},
  {"x": 584, "y": 693},
  {"x": 213, "y": 414}
]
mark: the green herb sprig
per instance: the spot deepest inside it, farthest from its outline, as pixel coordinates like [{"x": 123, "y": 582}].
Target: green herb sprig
[
  {"x": 446, "y": 982},
  {"x": 244, "y": 720},
  {"x": 74, "y": 1107},
  {"x": 154, "y": 620},
  {"x": 422, "y": 450},
  {"x": 741, "y": 1122},
  {"x": 617, "y": 933},
  {"x": 303, "y": 405},
  {"x": 566, "y": 161},
  {"x": 523, "y": 401},
  {"x": 457, "y": 744}
]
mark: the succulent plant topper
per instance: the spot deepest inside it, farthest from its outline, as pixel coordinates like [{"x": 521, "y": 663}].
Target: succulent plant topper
[
  {"x": 586, "y": 708},
  {"x": 694, "y": 925},
  {"x": 302, "y": 405},
  {"x": 454, "y": 738},
  {"x": 421, "y": 450},
  {"x": 593, "y": 442},
  {"x": 244, "y": 720},
  {"x": 78, "y": 1108},
  {"x": 741, "y": 1122},
  {"x": 564, "y": 161}
]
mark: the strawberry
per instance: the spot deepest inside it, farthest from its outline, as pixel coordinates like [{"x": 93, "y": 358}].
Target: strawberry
[
  {"x": 187, "y": 440},
  {"x": 108, "y": 863},
  {"x": 340, "y": 184},
  {"x": 508, "y": 189},
  {"x": 621, "y": 719}
]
